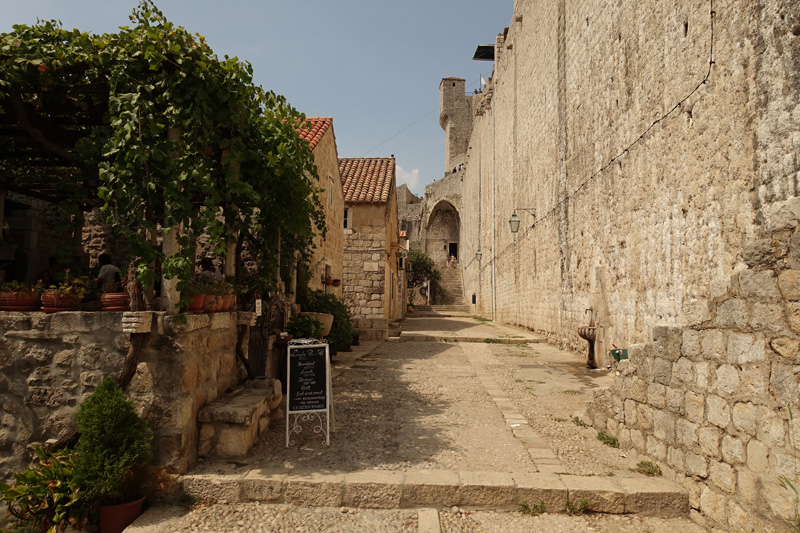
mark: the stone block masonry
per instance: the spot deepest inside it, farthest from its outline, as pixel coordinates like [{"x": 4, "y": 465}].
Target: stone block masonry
[
  {"x": 717, "y": 401},
  {"x": 665, "y": 221},
  {"x": 50, "y": 363}
]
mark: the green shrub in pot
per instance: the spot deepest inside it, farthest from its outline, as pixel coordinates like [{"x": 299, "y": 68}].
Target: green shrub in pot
[
  {"x": 114, "y": 446},
  {"x": 342, "y": 331},
  {"x": 304, "y": 327}
]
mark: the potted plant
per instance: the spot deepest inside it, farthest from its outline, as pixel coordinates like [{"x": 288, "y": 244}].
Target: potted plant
[
  {"x": 213, "y": 300},
  {"x": 66, "y": 296},
  {"x": 195, "y": 292},
  {"x": 46, "y": 496},
  {"x": 228, "y": 296},
  {"x": 326, "y": 319},
  {"x": 16, "y": 296},
  {"x": 340, "y": 336},
  {"x": 113, "y": 452},
  {"x": 336, "y": 282},
  {"x": 304, "y": 327},
  {"x": 115, "y": 295}
]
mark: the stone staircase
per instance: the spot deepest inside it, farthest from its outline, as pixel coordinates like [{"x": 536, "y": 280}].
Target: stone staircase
[
  {"x": 440, "y": 310},
  {"x": 450, "y": 291}
]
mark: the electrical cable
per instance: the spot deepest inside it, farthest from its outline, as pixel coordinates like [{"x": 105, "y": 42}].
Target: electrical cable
[
  {"x": 614, "y": 159},
  {"x": 404, "y": 129}
]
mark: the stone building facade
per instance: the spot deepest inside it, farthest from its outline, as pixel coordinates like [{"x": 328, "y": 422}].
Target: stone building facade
[
  {"x": 647, "y": 168},
  {"x": 433, "y": 223},
  {"x": 643, "y": 147},
  {"x": 372, "y": 283},
  {"x": 328, "y": 253},
  {"x": 715, "y": 401}
]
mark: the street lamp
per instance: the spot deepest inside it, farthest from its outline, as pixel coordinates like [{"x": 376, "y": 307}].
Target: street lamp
[
  {"x": 478, "y": 255},
  {"x": 513, "y": 222}
]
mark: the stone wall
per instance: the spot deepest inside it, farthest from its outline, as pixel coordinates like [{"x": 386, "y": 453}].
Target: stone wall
[
  {"x": 371, "y": 276},
  {"x": 50, "y": 363},
  {"x": 365, "y": 262},
  {"x": 715, "y": 402},
  {"x": 329, "y": 251},
  {"x": 455, "y": 117},
  {"x": 647, "y": 177},
  {"x": 410, "y": 210}
]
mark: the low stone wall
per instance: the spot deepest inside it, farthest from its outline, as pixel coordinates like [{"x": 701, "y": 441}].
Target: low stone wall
[
  {"x": 49, "y": 363},
  {"x": 184, "y": 367},
  {"x": 715, "y": 403}
]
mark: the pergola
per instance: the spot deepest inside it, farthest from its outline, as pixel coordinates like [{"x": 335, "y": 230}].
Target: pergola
[{"x": 151, "y": 126}]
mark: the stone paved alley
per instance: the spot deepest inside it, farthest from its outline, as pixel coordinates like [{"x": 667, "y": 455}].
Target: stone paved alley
[{"x": 467, "y": 428}]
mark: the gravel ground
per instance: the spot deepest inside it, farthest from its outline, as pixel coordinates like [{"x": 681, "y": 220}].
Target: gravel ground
[
  {"x": 515, "y": 522},
  {"x": 406, "y": 405},
  {"x": 548, "y": 386},
  {"x": 413, "y": 405},
  {"x": 246, "y": 518}
]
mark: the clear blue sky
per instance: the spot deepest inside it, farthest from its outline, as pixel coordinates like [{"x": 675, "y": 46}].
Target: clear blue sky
[{"x": 373, "y": 65}]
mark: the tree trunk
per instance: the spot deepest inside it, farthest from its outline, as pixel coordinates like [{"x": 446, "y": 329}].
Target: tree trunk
[{"x": 243, "y": 332}]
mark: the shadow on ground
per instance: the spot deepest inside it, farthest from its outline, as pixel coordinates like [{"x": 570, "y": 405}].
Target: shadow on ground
[{"x": 381, "y": 422}]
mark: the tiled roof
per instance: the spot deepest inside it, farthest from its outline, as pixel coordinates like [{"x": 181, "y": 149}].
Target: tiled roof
[
  {"x": 314, "y": 128},
  {"x": 367, "y": 180}
]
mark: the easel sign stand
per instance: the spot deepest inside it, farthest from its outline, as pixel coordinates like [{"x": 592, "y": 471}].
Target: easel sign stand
[{"x": 308, "y": 388}]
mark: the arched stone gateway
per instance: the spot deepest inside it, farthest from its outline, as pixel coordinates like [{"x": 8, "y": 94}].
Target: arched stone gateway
[{"x": 444, "y": 228}]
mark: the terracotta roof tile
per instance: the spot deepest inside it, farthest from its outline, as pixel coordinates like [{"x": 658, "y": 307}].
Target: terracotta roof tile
[
  {"x": 367, "y": 180},
  {"x": 314, "y": 128}
]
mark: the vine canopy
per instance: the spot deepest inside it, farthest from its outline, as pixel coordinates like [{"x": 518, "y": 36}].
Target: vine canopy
[{"x": 152, "y": 127}]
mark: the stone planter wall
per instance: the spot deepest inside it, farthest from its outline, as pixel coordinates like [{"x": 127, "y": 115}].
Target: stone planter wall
[
  {"x": 715, "y": 402},
  {"x": 50, "y": 363}
]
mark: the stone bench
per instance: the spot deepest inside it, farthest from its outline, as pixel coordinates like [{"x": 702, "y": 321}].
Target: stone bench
[{"x": 231, "y": 425}]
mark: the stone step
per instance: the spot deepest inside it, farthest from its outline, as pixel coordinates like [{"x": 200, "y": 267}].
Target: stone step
[
  {"x": 230, "y": 425},
  {"x": 409, "y": 336},
  {"x": 625, "y": 493}
]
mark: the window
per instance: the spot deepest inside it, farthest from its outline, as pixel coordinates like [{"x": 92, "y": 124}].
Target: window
[
  {"x": 348, "y": 223},
  {"x": 330, "y": 192}
]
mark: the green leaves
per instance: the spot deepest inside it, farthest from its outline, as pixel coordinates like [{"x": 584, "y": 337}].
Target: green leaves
[
  {"x": 187, "y": 140},
  {"x": 46, "y": 496}
]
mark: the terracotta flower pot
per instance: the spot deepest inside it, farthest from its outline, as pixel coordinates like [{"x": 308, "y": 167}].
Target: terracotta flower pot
[
  {"x": 196, "y": 305},
  {"x": 115, "y": 518},
  {"x": 19, "y": 301},
  {"x": 53, "y": 302},
  {"x": 337, "y": 282},
  {"x": 228, "y": 302},
  {"x": 115, "y": 301},
  {"x": 212, "y": 303}
]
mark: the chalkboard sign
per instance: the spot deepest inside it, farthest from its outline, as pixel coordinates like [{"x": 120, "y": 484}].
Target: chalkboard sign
[
  {"x": 308, "y": 388},
  {"x": 307, "y": 379}
]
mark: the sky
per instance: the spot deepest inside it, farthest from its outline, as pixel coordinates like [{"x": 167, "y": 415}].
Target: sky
[{"x": 372, "y": 65}]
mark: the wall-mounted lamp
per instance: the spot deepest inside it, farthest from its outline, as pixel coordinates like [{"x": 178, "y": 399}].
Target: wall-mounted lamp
[
  {"x": 478, "y": 255},
  {"x": 513, "y": 222}
]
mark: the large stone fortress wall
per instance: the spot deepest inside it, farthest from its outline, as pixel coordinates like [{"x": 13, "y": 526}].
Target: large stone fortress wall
[{"x": 647, "y": 172}]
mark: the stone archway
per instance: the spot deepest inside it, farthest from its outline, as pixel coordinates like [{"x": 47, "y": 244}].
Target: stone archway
[{"x": 443, "y": 231}]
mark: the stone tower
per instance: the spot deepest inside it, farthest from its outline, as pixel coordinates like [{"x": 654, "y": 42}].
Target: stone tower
[{"x": 455, "y": 117}]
